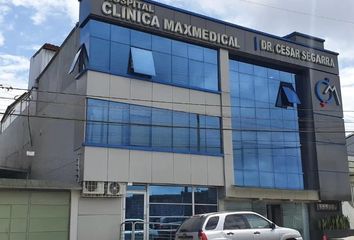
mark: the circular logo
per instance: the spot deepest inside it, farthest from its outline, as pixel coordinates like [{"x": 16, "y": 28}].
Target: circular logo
[{"x": 326, "y": 93}]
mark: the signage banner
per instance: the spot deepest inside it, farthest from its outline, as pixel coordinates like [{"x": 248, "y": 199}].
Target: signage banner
[
  {"x": 165, "y": 21},
  {"x": 144, "y": 13}
]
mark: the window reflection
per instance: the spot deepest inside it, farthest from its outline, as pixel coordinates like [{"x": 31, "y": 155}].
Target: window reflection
[
  {"x": 113, "y": 124},
  {"x": 265, "y": 155},
  {"x": 175, "y": 62}
]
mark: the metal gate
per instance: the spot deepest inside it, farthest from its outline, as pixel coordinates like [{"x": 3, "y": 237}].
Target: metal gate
[{"x": 140, "y": 230}]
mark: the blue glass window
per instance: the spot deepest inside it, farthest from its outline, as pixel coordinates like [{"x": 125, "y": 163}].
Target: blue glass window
[
  {"x": 193, "y": 133},
  {"x": 97, "y": 122},
  {"x": 181, "y": 132},
  {"x": 170, "y": 194},
  {"x": 234, "y": 85},
  {"x": 170, "y": 210},
  {"x": 201, "y": 209},
  {"x": 291, "y": 95},
  {"x": 287, "y": 96},
  {"x": 213, "y": 135},
  {"x": 80, "y": 59},
  {"x": 260, "y": 71},
  {"x": 251, "y": 178},
  {"x": 267, "y": 179},
  {"x": 112, "y": 124},
  {"x": 245, "y": 68},
  {"x": 118, "y": 129},
  {"x": 196, "y": 73},
  {"x": 205, "y": 195},
  {"x": 161, "y": 129},
  {"x": 180, "y": 49},
  {"x": 172, "y": 204},
  {"x": 165, "y": 60},
  {"x": 141, "y": 39},
  {"x": 210, "y": 74},
  {"x": 120, "y": 34},
  {"x": 163, "y": 67},
  {"x": 180, "y": 70},
  {"x": 140, "y": 126},
  {"x": 195, "y": 53},
  {"x": 100, "y": 30},
  {"x": 120, "y": 58},
  {"x": 162, "y": 45},
  {"x": 142, "y": 62},
  {"x": 100, "y": 49},
  {"x": 210, "y": 56},
  {"x": 266, "y": 156}
]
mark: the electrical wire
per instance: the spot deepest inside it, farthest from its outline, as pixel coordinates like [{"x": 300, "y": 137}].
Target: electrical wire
[
  {"x": 166, "y": 102},
  {"x": 182, "y": 127},
  {"x": 300, "y": 120},
  {"x": 299, "y": 12}
]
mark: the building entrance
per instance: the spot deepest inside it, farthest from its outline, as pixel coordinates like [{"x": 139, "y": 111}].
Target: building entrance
[
  {"x": 135, "y": 216},
  {"x": 274, "y": 213}
]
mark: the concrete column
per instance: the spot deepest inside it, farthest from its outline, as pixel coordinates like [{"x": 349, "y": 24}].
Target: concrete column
[
  {"x": 74, "y": 213},
  {"x": 226, "y": 119}
]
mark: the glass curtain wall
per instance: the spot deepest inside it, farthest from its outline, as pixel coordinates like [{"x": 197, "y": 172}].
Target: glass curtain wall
[
  {"x": 113, "y": 124},
  {"x": 120, "y": 51},
  {"x": 266, "y": 142},
  {"x": 173, "y": 204}
]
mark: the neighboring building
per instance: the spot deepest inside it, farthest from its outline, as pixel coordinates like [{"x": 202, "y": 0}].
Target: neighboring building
[
  {"x": 348, "y": 207},
  {"x": 163, "y": 113},
  {"x": 350, "y": 151}
]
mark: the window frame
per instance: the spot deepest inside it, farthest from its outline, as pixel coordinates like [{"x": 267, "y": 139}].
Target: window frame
[
  {"x": 148, "y": 60},
  {"x": 174, "y": 48},
  {"x": 81, "y": 59},
  {"x": 247, "y": 225},
  {"x": 144, "y": 120},
  {"x": 283, "y": 98}
]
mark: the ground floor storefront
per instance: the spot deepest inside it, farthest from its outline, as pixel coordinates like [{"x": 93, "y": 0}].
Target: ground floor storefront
[
  {"x": 148, "y": 211},
  {"x": 157, "y": 211}
]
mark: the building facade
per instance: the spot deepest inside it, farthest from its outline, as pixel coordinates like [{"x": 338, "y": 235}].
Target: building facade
[
  {"x": 348, "y": 207},
  {"x": 161, "y": 114}
]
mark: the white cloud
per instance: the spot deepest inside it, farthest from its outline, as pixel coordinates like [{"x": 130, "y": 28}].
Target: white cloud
[
  {"x": 3, "y": 11},
  {"x": 2, "y": 39},
  {"x": 14, "y": 70},
  {"x": 46, "y": 8},
  {"x": 347, "y": 81},
  {"x": 13, "y": 73}
]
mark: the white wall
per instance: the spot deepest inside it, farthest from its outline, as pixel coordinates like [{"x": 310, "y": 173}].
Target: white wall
[
  {"x": 99, "y": 218},
  {"x": 348, "y": 210},
  {"x": 104, "y": 164}
]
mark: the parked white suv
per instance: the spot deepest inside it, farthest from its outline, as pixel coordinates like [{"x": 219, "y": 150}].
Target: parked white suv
[{"x": 233, "y": 226}]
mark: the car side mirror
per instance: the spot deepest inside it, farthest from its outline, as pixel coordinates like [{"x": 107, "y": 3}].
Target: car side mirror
[{"x": 273, "y": 226}]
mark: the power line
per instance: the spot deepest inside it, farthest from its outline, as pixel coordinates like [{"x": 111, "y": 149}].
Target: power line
[
  {"x": 299, "y": 12},
  {"x": 182, "y": 127},
  {"x": 300, "y": 120},
  {"x": 167, "y": 102}
]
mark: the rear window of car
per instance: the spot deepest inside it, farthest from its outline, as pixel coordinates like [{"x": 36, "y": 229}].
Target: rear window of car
[
  {"x": 212, "y": 223},
  {"x": 193, "y": 224}
]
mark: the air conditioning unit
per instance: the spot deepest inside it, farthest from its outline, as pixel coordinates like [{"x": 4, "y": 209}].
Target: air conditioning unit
[
  {"x": 91, "y": 188},
  {"x": 115, "y": 189}
]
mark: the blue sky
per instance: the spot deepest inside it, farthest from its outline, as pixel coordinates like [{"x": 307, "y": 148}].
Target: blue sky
[{"x": 25, "y": 25}]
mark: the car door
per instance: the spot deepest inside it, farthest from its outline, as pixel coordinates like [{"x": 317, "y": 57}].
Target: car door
[
  {"x": 262, "y": 229},
  {"x": 236, "y": 227}
]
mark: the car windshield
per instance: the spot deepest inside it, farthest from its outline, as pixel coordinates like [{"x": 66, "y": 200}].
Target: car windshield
[{"x": 193, "y": 224}]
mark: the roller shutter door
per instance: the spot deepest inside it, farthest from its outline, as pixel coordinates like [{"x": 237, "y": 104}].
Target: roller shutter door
[{"x": 34, "y": 215}]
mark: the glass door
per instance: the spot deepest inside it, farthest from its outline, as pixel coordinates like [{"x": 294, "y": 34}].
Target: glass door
[{"x": 135, "y": 226}]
